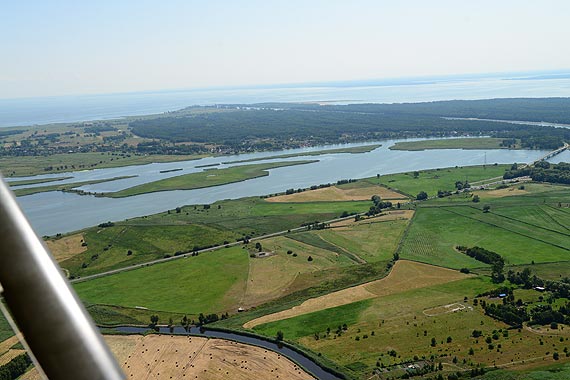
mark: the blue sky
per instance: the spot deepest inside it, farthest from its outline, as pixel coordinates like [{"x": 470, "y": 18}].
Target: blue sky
[{"x": 76, "y": 47}]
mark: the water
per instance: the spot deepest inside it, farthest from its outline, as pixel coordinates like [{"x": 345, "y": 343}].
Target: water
[
  {"x": 58, "y": 212},
  {"x": 295, "y": 356},
  {"x": 29, "y": 111}
]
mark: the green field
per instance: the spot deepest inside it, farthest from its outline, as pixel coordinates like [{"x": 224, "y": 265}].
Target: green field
[
  {"x": 530, "y": 227},
  {"x": 206, "y": 178},
  {"x": 551, "y": 372},
  {"x": 352, "y": 150},
  {"x": 5, "y": 329},
  {"x": 107, "y": 248},
  {"x": 433, "y": 180},
  {"x": 202, "y": 284},
  {"x": 62, "y": 187},
  {"x": 376, "y": 241},
  {"x": 268, "y": 279},
  {"x": 548, "y": 271},
  {"x": 399, "y": 323},
  {"x": 394, "y": 322},
  {"x": 152, "y": 237},
  {"x": 517, "y": 242},
  {"x": 462, "y": 143}
]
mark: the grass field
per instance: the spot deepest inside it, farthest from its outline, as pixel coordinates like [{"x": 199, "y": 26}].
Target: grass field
[
  {"x": 108, "y": 248},
  {"x": 206, "y": 178},
  {"x": 207, "y": 283},
  {"x": 352, "y": 150},
  {"x": 62, "y": 187},
  {"x": 549, "y": 372},
  {"x": 518, "y": 243},
  {"x": 406, "y": 275},
  {"x": 32, "y": 165},
  {"x": 151, "y": 237},
  {"x": 433, "y": 180},
  {"x": 548, "y": 271},
  {"x": 533, "y": 226},
  {"x": 400, "y": 313},
  {"x": 375, "y": 241},
  {"x": 462, "y": 143},
  {"x": 5, "y": 329},
  {"x": 282, "y": 273},
  {"x": 397, "y": 323},
  {"x": 264, "y": 279}
]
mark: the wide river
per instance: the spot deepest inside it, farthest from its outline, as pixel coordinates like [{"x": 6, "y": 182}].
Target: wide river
[{"x": 59, "y": 212}]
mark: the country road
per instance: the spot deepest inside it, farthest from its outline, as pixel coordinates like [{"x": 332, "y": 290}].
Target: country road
[{"x": 186, "y": 255}]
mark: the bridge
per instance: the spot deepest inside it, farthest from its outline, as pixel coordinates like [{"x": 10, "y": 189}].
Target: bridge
[{"x": 551, "y": 154}]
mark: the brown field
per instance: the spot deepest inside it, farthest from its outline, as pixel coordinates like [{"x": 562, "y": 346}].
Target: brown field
[
  {"x": 384, "y": 217},
  {"x": 273, "y": 277},
  {"x": 405, "y": 275},
  {"x": 66, "y": 247},
  {"x": 508, "y": 192},
  {"x": 333, "y": 193},
  {"x": 180, "y": 357},
  {"x": 7, "y": 354},
  {"x": 177, "y": 357},
  {"x": 6, "y": 344}
]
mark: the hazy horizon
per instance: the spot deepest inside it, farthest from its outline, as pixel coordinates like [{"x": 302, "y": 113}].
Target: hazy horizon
[
  {"x": 70, "y": 48},
  {"x": 386, "y": 81}
]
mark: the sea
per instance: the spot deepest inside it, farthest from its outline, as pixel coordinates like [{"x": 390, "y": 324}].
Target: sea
[{"x": 64, "y": 109}]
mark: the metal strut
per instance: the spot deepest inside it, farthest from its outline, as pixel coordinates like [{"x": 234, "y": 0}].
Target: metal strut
[{"x": 61, "y": 335}]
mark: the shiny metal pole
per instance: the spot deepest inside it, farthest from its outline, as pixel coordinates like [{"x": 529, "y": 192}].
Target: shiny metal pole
[{"x": 56, "y": 326}]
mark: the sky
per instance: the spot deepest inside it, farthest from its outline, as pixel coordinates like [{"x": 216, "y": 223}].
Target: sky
[{"x": 62, "y": 47}]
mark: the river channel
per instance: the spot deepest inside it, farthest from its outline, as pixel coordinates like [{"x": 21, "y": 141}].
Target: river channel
[{"x": 59, "y": 212}]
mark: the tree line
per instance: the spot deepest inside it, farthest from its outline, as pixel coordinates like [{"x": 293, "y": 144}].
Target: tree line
[{"x": 542, "y": 171}]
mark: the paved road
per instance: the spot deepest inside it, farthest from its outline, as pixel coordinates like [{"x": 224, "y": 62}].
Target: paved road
[{"x": 163, "y": 260}]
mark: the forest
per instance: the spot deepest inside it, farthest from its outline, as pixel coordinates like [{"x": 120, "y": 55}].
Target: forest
[{"x": 276, "y": 125}]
